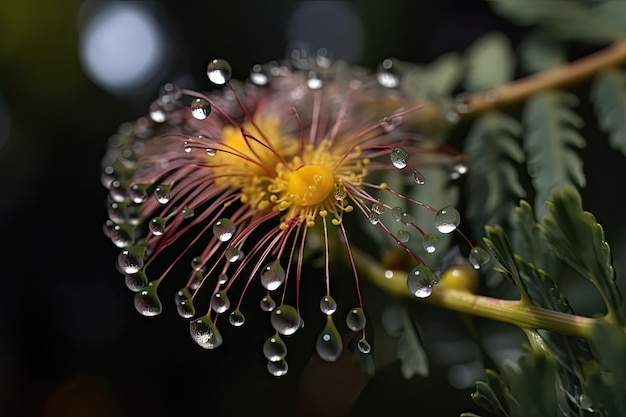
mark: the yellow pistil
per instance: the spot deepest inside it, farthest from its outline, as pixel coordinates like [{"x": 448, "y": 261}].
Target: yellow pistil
[{"x": 310, "y": 185}]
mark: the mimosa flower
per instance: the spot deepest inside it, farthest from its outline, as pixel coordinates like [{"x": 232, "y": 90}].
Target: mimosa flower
[{"x": 237, "y": 182}]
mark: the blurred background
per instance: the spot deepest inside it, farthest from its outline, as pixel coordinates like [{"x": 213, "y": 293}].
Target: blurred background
[{"x": 71, "y": 343}]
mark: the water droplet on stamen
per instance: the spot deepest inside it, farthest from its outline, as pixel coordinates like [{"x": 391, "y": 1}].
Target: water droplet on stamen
[
  {"x": 478, "y": 257},
  {"x": 447, "y": 219},
  {"x": 233, "y": 254},
  {"x": 378, "y": 207},
  {"x": 387, "y": 75},
  {"x": 182, "y": 295},
  {"x": 224, "y": 229},
  {"x": 329, "y": 343},
  {"x": 418, "y": 178},
  {"x": 117, "y": 213},
  {"x": 135, "y": 282},
  {"x": 220, "y": 302},
  {"x": 222, "y": 279},
  {"x": 278, "y": 368},
  {"x": 285, "y": 319},
  {"x": 355, "y": 320},
  {"x": 138, "y": 193},
  {"x": 147, "y": 301},
  {"x": 403, "y": 236},
  {"x": 267, "y": 303},
  {"x": 236, "y": 318},
  {"x": 157, "y": 113},
  {"x": 328, "y": 305},
  {"x": 121, "y": 236},
  {"x": 314, "y": 82},
  {"x": 187, "y": 212},
  {"x": 364, "y": 346},
  {"x": 157, "y": 226},
  {"x": 200, "y": 109},
  {"x": 204, "y": 333},
  {"x": 430, "y": 242},
  {"x": 211, "y": 152},
  {"x": 421, "y": 281},
  {"x": 396, "y": 213},
  {"x": 399, "y": 158},
  {"x": 197, "y": 264},
  {"x": 373, "y": 217},
  {"x": 219, "y": 71},
  {"x": 162, "y": 193},
  {"x": 273, "y": 275},
  {"x": 274, "y": 348},
  {"x": 186, "y": 308},
  {"x": 187, "y": 147},
  {"x": 407, "y": 218},
  {"x": 170, "y": 93},
  {"x": 340, "y": 192},
  {"x": 258, "y": 76},
  {"x": 130, "y": 260},
  {"x": 117, "y": 192}
]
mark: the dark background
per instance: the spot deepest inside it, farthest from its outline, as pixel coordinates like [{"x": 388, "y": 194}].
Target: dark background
[{"x": 71, "y": 343}]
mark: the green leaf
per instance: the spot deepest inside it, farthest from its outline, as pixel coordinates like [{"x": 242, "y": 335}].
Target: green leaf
[
  {"x": 490, "y": 61},
  {"x": 493, "y": 186},
  {"x": 551, "y": 133},
  {"x": 539, "y": 51},
  {"x": 568, "y": 19},
  {"x": 578, "y": 239},
  {"x": 608, "y": 93},
  {"x": 499, "y": 245},
  {"x": 486, "y": 398},
  {"x": 397, "y": 321},
  {"x": 438, "y": 78}
]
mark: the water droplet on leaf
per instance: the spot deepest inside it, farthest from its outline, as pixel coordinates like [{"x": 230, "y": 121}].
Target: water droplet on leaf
[
  {"x": 430, "y": 242},
  {"x": 403, "y": 236}
]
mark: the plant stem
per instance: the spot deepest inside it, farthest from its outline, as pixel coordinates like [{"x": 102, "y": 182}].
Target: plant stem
[
  {"x": 555, "y": 78},
  {"x": 507, "y": 311}
]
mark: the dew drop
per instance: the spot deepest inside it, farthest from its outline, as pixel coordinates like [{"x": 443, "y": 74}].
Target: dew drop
[
  {"x": 378, "y": 207},
  {"x": 117, "y": 212},
  {"x": 224, "y": 229},
  {"x": 323, "y": 58},
  {"x": 220, "y": 302},
  {"x": 197, "y": 264},
  {"x": 403, "y": 236},
  {"x": 397, "y": 213},
  {"x": 182, "y": 295},
  {"x": 186, "y": 308},
  {"x": 147, "y": 301},
  {"x": 162, "y": 193},
  {"x": 447, "y": 219},
  {"x": 355, "y": 320},
  {"x": 285, "y": 319},
  {"x": 135, "y": 282},
  {"x": 373, "y": 217},
  {"x": 273, "y": 275},
  {"x": 107, "y": 176},
  {"x": 200, "y": 109},
  {"x": 314, "y": 82},
  {"x": 418, "y": 178},
  {"x": 138, "y": 193},
  {"x": 222, "y": 279},
  {"x": 430, "y": 242},
  {"x": 278, "y": 368},
  {"x": 170, "y": 93},
  {"x": 204, "y": 333},
  {"x": 328, "y": 305},
  {"x": 399, "y": 158},
  {"x": 211, "y": 152},
  {"x": 236, "y": 318},
  {"x": 340, "y": 192},
  {"x": 585, "y": 403},
  {"x": 274, "y": 348},
  {"x": 258, "y": 75},
  {"x": 387, "y": 74},
  {"x": 157, "y": 226},
  {"x": 267, "y": 303},
  {"x": 421, "y": 281},
  {"x": 121, "y": 236},
  {"x": 187, "y": 212},
  {"x": 117, "y": 191},
  {"x": 478, "y": 257},
  {"x": 407, "y": 218},
  {"x": 130, "y": 260},
  {"x": 364, "y": 346},
  {"x": 329, "y": 344},
  {"x": 219, "y": 71},
  {"x": 157, "y": 113},
  {"x": 187, "y": 147},
  {"x": 233, "y": 254}
]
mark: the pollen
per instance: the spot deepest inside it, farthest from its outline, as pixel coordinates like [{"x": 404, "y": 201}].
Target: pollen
[{"x": 310, "y": 185}]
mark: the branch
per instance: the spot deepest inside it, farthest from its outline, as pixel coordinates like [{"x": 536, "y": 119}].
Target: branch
[{"x": 506, "y": 311}]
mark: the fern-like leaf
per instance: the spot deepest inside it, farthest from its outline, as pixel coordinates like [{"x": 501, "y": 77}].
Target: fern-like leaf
[
  {"x": 608, "y": 93},
  {"x": 490, "y": 62},
  {"x": 493, "y": 186},
  {"x": 551, "y": 134}
]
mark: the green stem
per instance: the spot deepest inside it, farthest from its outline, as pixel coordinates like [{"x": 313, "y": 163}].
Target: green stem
[{"x": 513, "y": 312}]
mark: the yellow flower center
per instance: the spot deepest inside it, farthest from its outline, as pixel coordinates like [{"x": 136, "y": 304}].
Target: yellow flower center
[{"x": 310, "y": 185}]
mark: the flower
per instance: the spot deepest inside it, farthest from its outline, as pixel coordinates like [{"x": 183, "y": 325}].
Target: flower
[{"x": 239, "y": 181}]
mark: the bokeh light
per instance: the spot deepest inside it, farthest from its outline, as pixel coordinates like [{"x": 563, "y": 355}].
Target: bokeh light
[{"x": 122, "y": 45}]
